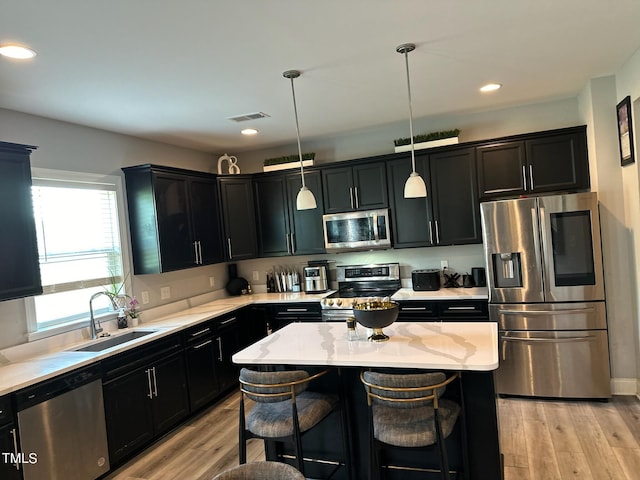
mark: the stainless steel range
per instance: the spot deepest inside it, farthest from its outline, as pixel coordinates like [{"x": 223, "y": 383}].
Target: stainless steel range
[{"x": 359, "y": 283}]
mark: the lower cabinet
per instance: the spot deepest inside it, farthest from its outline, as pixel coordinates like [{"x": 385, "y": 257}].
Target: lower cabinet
[
  {"x": 443, "y": 311},
  {"x": 202, "y": 378},
  {"x": 282, "y": 314},
  {"x": 144, "y": 401},
  {"x": 10, "y": 461}
]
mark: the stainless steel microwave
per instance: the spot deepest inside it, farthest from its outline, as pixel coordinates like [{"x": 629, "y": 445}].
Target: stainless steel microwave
[{"x": 364, "y": 230}]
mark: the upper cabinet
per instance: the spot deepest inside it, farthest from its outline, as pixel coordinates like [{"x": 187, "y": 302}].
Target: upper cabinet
[
  {"x": 358, "y": 187},
  {"x": 545, "y": 162},
  {"x": 173, "y": 218},
  {"x": 450, "y": 214},
  {"x": 236, "y": 199},
  {"x": 20, "y": 275},
  {"x": 282, "y": 228}
]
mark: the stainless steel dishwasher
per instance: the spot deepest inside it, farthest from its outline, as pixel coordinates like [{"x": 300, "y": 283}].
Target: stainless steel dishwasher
[{"x": 62, "y": 426}]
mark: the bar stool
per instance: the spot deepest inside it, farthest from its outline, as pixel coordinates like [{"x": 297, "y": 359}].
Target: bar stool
[
  {"x": 406, "y": 410},
  {"x": 261, "y": 471},
  {"x": 284, "y": 409}
]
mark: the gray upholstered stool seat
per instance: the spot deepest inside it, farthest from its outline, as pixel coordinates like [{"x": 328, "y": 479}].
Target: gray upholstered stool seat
[
  {"x": 406, "y": 410},
  {"x": 413, "y": 427},
  {"x": 274, "y": 420},
  {"x": 261, "y": 471},
  {"x": 284, "y": 408}
]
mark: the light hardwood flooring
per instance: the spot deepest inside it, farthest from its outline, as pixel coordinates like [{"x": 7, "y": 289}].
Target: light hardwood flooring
[{"x": 540, "y": 440}]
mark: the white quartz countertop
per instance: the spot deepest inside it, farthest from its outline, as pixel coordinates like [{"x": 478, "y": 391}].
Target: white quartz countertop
[
  {"x": 429, "y": 345},
  {"x": 19, "y": 369},
  {"x": 473, "y": 293}
]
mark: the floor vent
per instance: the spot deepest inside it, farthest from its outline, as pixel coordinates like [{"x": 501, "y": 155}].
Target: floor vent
[{"x": 248, "y": 116}]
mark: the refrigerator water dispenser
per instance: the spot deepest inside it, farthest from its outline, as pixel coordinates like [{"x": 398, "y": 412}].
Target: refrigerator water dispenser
[{"x": 507, "y": 270}]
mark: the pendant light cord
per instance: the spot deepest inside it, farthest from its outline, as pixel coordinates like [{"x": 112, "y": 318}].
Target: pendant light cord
[
  {"x": 295, "y": 112},
  {"x": 413, "y": 155}
]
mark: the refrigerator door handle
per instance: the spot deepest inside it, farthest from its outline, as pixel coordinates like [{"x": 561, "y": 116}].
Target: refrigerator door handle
[
  {"x": 567, "y": 311},
  {"x": 586, "y": 338}
]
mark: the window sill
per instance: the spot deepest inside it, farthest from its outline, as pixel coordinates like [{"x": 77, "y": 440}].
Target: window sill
[{"x": 65, "y": 328}]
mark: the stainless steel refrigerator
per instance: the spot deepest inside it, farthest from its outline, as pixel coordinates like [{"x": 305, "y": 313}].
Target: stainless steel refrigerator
[{"x": 546, "y": 291}]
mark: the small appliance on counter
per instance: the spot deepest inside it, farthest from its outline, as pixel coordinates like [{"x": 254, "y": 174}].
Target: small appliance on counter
[
  {"x": 479, "y": 276},
  {"x": 426, "y": 280},
  {"x": 236, "y": 285},
  {"x": 316, "y": 277}
]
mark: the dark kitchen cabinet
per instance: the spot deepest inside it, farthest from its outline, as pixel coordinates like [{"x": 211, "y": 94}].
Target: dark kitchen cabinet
[
  {"x": 10, "y": 467},
  {"x": 173, "y": 218},
  {"x": 282, "y": 314},
  {"x": 358, "y": 187},
  {"x": 454, "y": 197},
  {"x": 443, "y": 311},
  {"x": 200, "y": 355},
  {"x": 228, "y": 342},
  {"x": 282, "y": 228},
  {"x": 238, "y": 215},
  {"x": 145, "y": 395},
  {"x": 554, "y": 161},
  {"x": 450, "y": 214},
  {"x": 20, "y": 275}
]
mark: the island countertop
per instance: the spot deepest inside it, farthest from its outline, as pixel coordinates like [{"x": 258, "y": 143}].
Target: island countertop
[{"x": 469, "y": 346}]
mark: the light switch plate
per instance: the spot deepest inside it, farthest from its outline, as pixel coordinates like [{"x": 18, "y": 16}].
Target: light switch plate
[
  {"x": 212, "y": 281},
  {"x": 145, "y": 297},
  {"x": 165, "y": 293}
]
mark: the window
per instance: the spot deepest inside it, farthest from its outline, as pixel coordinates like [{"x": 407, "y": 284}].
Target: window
[{"x": 79, "y": 245}]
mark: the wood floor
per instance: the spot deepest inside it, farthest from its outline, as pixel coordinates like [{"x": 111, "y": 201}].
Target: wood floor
[{"x": 540, "y": 440}]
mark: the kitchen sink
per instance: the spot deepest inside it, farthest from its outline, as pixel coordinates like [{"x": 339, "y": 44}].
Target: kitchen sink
[{"x": 113, "y": 341}]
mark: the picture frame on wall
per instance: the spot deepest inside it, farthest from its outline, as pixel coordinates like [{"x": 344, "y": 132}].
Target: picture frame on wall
[{"x": 625, "y": 131}]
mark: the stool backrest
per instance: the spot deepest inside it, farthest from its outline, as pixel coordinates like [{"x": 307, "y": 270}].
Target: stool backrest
[
  {"x": 405, "y": 390},
  {"x": 271, "y": 387}
]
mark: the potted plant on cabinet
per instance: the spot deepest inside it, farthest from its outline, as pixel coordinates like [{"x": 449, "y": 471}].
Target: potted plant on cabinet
[
  {"x": 288, "y": 161},
  {"x": 427, "y": 140}
]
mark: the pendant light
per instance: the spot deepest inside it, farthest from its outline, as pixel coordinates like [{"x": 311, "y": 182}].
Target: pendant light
[
  {"x": 305, "y": 199},
  {"x": 414, "y": 187}
]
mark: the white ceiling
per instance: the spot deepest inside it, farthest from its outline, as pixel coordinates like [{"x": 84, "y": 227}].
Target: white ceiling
[{"x": 174, "y": 71}]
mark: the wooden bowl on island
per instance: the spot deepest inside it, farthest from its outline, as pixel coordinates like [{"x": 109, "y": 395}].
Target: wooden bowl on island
[{"x": 376, "y": 314}]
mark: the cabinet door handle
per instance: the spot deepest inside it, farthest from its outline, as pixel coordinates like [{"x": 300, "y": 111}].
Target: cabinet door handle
[
  {"x": 200, "y": 251},
  {"x": 355, "y": 195},
  {"x": 202, "y": 344},
  {"x": 150, "y": 394},
  {"x": 524, "y": 177},
  {"x": 293, "y": 243},
  {"x": 200, "y": 332},
  {"x": 531, "y": 176},
  {"x": 437, "y": 232},
  {"x": 220, "y": 348},
  {"x": 462, "y": 308},
  {"x": 195, "y": 251},
  {"x": 351, "y": 196},
  {"x": 155, "y": 382},
  {"x": 229, "y": 246},
  {"x": 430, "y": 233},
  {"x": 413, "y": 309},
  {"x": 297, "y": 309},
  {"x": 15, "y": 447},
  {"x": 288, "y": 239},
  {"x": 229, "y": 320}
]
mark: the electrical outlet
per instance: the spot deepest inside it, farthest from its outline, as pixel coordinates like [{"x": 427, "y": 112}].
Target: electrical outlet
[
  {"x": 256, "y": 275},
  {"x": 444, "y": 264},
  {"x": 145, "y": 297},
  {"x": 212, "y": 281},
  {"x": 165, "y": 293}
]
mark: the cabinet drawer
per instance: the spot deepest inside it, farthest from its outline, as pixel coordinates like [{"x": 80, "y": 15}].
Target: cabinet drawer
[
  {"x": 297, "y": 309},
  {"x": 198, "y": 333},
  {"x": 140, "y": 356},
  {"x": 417, "y": 311},
  {"x": 464, "y": 310}
]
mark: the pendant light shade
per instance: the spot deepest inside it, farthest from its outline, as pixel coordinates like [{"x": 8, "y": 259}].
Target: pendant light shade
[
  {"x": 305, "y": 199},
  {"x": 414, "y": 187}
]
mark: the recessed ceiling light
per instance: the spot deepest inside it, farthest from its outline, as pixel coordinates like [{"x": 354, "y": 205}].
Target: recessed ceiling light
[
  {"x": 490, "y": 87},
  {"x": 249, "y": 131},
  {"x": 17, "y": 51}
]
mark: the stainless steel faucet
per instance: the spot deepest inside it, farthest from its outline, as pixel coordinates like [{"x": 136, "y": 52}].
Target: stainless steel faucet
[{"x": 95, "y": 330}]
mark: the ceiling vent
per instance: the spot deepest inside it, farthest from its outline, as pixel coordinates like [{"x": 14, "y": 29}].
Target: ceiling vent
[{"x": 249, "y": 116}]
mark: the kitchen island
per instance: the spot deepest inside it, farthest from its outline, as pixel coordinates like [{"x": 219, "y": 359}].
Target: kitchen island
[{"x": 470, "y": 348}]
